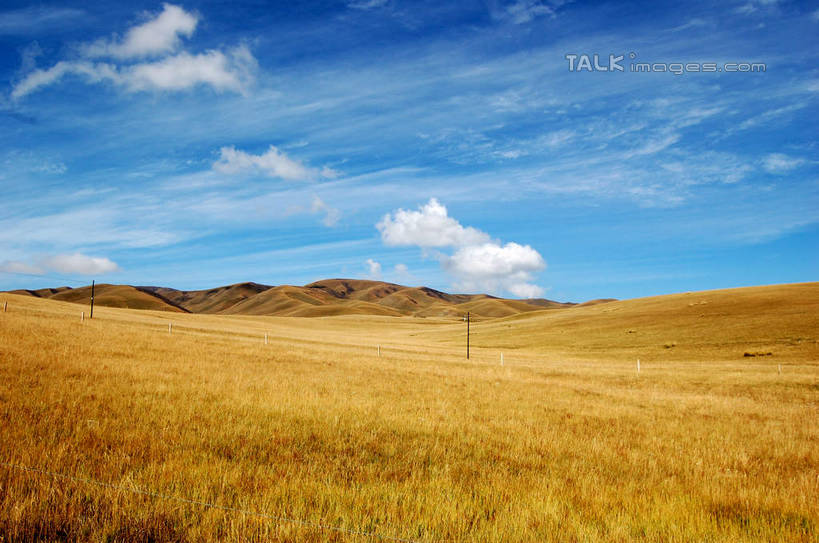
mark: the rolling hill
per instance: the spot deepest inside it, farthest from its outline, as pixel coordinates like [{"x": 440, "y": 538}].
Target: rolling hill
[
  {"x": 323, "y": 298},
  {"x": 756, "y": 323},
  {"x": 123, "y": 296}
]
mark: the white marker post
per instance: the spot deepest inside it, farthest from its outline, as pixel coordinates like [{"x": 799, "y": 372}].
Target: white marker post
[
  {"x": 5, "y": 306},
  {"x": 638, "y": 366},
  {"x": 169, "y": 328},
  {"x": 265, "y": 339},
  {"x": 82, "y": 316}
]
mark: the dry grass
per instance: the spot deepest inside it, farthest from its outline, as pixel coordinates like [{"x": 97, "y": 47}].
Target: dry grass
[{"x": 557, "y": 445}]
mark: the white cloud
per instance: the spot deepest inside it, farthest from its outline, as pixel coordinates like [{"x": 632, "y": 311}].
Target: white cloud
[
  {"x": 157, "y": 36},
  {"x": 36, "y": 19},
  {"x": 430, "y": 226},
  {"x": 272, "y": 163},
  {"x": 367, "y": 4},
  {"x": 373, "y": 269},
  {"x": 779, "y": 163},
  {"x": 754, "y": 6},
  {"x": 479, "y": 263},
  {"x": 93, "y": 73},
  {"x": 229, "y": 70},
  {"x": 523, "y": 11},
  {"x": 80, "y": 263},
  {"x": 767, "y": 116},
  {"x": 492, "y": 267},
  {"x": 331, "y": 214},
  {"x": 63, "y": 263},
  {"x": 654, "y": 145},
  {"x": 232, "y": 71},
  {"x": 15, "y": 267}
]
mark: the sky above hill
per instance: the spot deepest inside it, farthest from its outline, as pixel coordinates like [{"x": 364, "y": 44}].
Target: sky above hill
[{"x": 466, "y": 146}]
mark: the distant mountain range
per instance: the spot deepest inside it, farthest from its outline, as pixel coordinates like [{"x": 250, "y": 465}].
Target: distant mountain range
[{"x": 322, "y": 298}]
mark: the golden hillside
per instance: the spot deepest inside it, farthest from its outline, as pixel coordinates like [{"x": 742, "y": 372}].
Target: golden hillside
[
  {"x": 322, "y": 298},
  {"x": 124, "y": 296},
  {"x": 782, "y": 320}
]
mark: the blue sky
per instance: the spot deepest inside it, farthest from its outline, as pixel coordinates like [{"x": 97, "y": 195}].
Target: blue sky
[{"x": 198, "y": 144}]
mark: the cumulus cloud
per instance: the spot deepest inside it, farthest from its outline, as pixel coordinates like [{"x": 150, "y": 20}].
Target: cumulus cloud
[
  {"x": 273, "y": 163},
  {"x": 478, "y": 262},
  {"x": 373, "y": 269},
  {"x": 156, "y": 36},
  {"x": 17, "y": 267},
  {"x": 429, "y": 226},
  {"x": 76, "y": 263},
  {"x": 79, "y": 263},
  {"x": 494, "y": 267},
  {"x": 168, "y": 70},
  {"x": 331, "y": 214},
  {"x": 779, "y": 163}
]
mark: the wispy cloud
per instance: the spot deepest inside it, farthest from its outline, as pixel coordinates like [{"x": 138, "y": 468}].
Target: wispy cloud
[
  {"x": 33, "y": 20},
  {"x": 373, "y": 269},
  {"x": 367, "y": 4},
  {"x": 331, "y": 214},
  {"x": 778, "y": 163},
  {"x": 230, "y": 70},
  {"x": 272, "y": 163},
  {"x": 522, "y": 11}
]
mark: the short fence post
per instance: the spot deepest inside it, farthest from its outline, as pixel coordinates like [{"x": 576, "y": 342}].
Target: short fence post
[
  {"x": 501, "y": 359},
  {"x": 379, "y": 351},
  {"x": 780, "y": 368},
  {"x": 5, "y": 306},
  {"x": 638, "y": 366},
  {"x": 169, "y": 328},
  {"x": 82, "y": 316},
  {"x": 265, "y": 339}
]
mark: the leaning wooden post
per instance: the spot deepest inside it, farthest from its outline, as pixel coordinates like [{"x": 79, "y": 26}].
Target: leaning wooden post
[{"x": 91, "y": 316}]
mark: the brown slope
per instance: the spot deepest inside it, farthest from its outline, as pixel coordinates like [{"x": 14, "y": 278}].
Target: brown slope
[
  {"x": 282, "y": 300},
  {"x": 124, "y": 296},
  {"x": 41, "y": 293},
  {"x": 327, "y": 297},
  {"x": 543, "y": 303},
  {"x": 424, "y": 301},
  {"x": 216, "y": 300}
]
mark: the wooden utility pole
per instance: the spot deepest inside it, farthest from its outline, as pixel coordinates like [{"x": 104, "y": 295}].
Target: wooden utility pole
[
  {"x": 91, "y": 316},
  {"x": 467, "y": 334}
]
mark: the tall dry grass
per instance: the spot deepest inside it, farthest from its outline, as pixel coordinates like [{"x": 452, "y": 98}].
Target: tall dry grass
[{"x": 417, "y": 444}]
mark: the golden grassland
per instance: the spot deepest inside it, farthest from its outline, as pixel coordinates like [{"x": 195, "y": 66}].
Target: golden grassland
[{"x": 565, "y": 442}]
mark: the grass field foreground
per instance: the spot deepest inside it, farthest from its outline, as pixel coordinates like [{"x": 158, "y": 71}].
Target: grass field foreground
[{"x": 561, "y": 443}]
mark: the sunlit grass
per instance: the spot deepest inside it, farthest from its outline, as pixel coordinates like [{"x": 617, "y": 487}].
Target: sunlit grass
[{"x": 418, "y": 443}]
